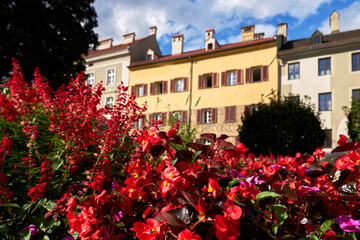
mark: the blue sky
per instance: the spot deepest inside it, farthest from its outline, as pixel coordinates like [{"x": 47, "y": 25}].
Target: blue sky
[{"x": 193, "y": 17}]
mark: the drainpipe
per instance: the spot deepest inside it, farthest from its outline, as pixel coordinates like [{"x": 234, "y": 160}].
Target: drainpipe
[{"x": 190, "y": 88}]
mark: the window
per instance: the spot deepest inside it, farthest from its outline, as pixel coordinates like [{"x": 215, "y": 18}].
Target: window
[
  {"x": 158, "y": 117},
  {"x": 109, "y": 102},
  {"x": 324, "y": 66},
  {"x": 208, "y": 80},
  {"x": 231, "y": 78},
  {"x": 204, "y": 141},
  {"x": 110, "y": 76},
  {"x": 294, "y": 71},
  {"x": 325, "y": 102},
  {"x": 257, "y": 74},
  {"x": 139, "y": 90},
  {"x": 210, "y": 46},
  {"x": 179, "y": 115},
  {"x": 328, "y": 138},
  {"x": 149, "y": 57},
  {"x": 90, "y": 79},
  {"x": 230, "y": 114},
  {"x": 355, "y": 61},
  {"x": 139, "y": 123},
  {"x": 295, "y": 99},
  {"x": 206, "y": 116},
  {"x": 355, "y": 94},
  {"x": 317, "y": 39},
  {"x": 158, "y": 87},
  {"x": 179, "y": 85}
]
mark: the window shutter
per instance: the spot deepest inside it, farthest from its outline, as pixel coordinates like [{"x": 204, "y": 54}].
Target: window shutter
[
  {"x": 239, "y": 78},
  {"x": 172, "y": 84},
  {"x": 214, "y": 115},
  {"x": 163, "y": 118},
  {"x": 246, "y": 108},
  {"x": 198, "y": 116},
  {"x": 227, "y": 114},
  {"x": 232, "y": 114},
  {"x": 165, "y": 86},
  {"x": 145, "y": 89},
  {"x": 152, "y": 88},
  {"x": 186, "y": 83},
  {"x": 200, "y": 81},
  {"x": 264, "y": 73},
  {"x": 223, "y": 79},
  {"x": 184, "y": 116},
  {"x": 248, "y": 75},
  {"x": 133, "y": 90},
  {"x": 215, "y": 80}
]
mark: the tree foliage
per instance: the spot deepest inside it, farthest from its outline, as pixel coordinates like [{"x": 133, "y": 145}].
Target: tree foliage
[
  {"x": 51, "y": 35},
  {"x": 353, "y": 124},
  {"x": 284, "y": 126}
]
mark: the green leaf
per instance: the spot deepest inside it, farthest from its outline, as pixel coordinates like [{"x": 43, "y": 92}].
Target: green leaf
[
  {"x": 281, "y": 215},
  {"x": 235, "y": 181},
  {"x": 173, "y": 161},
  {"x": 351, "y": 237},
  {"x": 324, "y": 227},
  {"x": 56, "y": 165},
  {"x": 26, "y": 234},
  {"x": 274, "y": 228},
  {"x": 75, "y": 235},
  {"x": 274, "y": 206},
  {"x": 197, "y": 153},
  {"x": 266, "y": 194},
  {"x": 9, "y": 205}
]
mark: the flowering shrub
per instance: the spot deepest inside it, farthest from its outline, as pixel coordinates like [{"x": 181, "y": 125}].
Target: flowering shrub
[{"x": 72, "y": 170}]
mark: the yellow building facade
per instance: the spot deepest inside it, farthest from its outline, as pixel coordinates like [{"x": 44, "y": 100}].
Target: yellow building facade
[{"x": 210, "y": 87}]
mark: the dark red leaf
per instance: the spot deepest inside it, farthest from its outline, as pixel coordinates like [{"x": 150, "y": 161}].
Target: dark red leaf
[
  {"x": 162, "y": 135},
  {"x": 223, "y": 136},
  {"x": 209, "y": 136},
  {"x": 345, "y": 147},
  {"x": 176, "y": 139},
  {"x": 156, "y": 151},
  {"x": 184, "y": 155},
  {"x": 178, "y": 217}
]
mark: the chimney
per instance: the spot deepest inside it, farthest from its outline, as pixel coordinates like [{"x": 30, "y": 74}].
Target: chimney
[
  {"x": 128, "y": 38},
  {"x": 282, "y": 31},
  {"x": 177, "y": 44},
  {"x": 247, "y": 33},
  {"x": 106, "y": 43},
  {"x": 334, "y": 22},
  {"x": 210, "y": 42},
  {"x": 152, "y": 30}
]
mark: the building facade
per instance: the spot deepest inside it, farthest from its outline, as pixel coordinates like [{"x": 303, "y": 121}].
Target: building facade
[
  {"x": 208, "y": 87},
  {"x": 109, "y": 63},
  {"x": 325, "y": 68}
]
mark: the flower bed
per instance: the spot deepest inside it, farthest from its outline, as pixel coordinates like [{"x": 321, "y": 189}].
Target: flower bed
[{"x": 72, "y": 170}]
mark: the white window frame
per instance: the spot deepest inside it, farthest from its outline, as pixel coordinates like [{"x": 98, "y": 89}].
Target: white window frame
[
  {"x": 139, "y": 90},
  {"x": 109, "y": 102},
  {"x": 206, "y": 116},
  {"x": 231, "y": 78},
  {"x": 110, "y": 76},
  {"x": 179, "y": 85},
  {"x": 90, "y": 80}
]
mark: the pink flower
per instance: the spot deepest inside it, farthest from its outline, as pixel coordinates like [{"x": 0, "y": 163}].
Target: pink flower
[{"x": 348, "y": 224}]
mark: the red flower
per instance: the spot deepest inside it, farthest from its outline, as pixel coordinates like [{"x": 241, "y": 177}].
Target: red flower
[
  {"x": 319, "y": 152},
  {"x": 329, "y": 235},
  {"x": 342, "y": 139},
  {"x": 226, "y": 228},
  {"x": 150, "y": 231},
  {"x": 188, "y": 235},
  {"x": 213, "y": 188},
  {"x": 233, "y": 211}
]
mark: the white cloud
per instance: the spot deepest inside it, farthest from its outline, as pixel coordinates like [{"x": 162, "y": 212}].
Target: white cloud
[
  {"x": 192, "y": 18},
  {"x": 349, "y": 19}
]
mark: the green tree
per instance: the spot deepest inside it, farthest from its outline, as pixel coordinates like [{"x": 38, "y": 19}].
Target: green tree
[
  {"x": 186, "y": 132},
  {"x": 353, "y": 123},
  {"x": 284, "y": 126},
  {"x": 51, "y": 35}
]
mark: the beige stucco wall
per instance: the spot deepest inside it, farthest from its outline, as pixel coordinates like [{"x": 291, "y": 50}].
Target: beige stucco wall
[{"x": 219, "y": 97}]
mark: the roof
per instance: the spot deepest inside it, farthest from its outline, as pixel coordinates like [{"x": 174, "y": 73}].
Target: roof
[
  {"x": 203, "y": 51},
  {"x": 334, "y": 39},
  {"x": 113, "y": 48}
]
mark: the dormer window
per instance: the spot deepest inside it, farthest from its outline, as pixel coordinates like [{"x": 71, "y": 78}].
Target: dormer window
[
  {"x": 210, "y": 46},
  {"x": 149, "y": 57},
  {"x": 316, "y": 37}
]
